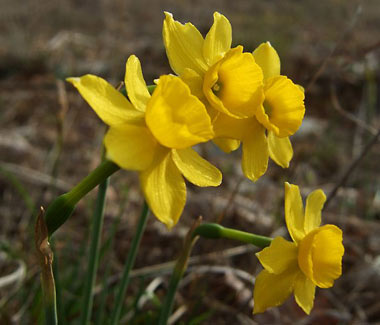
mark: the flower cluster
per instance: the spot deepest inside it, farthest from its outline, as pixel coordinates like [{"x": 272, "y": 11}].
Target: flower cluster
[
  {"x": 220, "y": 93},
  {"x": 230, "y": 97}
]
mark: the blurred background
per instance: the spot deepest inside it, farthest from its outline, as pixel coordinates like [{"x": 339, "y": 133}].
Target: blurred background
[{"x": 50, "y": 139}]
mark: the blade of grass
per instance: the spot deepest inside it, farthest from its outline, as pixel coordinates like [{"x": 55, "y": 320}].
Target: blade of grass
[
  {"x": 178, "y": 271},
  {"x": 129, "y": 264},
  {"x": 103, "y": 298},
  {"x": 93, "y": 260},
  {"x": 103, "y": 251},
  {"x": 58, "y": 287},
  {"x": 19, "y": 187}
]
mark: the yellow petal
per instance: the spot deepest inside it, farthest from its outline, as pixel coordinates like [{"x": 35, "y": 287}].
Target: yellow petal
[
  {"x": 135, "y": 84},
  {"x": 255, "y": 152},
  {"x": 227, "y": 145},
  {"x": 218, "y": 39},
  {"x": 280, "y": 150},
  {"x": 196, "y": 169},
  {"x": 184, "y": 46},
  {"x": 272, "y": 289},
  {"x": 234, "y": 85},
  {"x": 109, "y": 104},
  {"x": 195, "y": 82},
  {"x": 279, "y": 256},
  {"x": 314, "y": 205},
  {"x": 283, "y": 109},
  {"x": 164, "y": 188},
  {"x": 304, "y": 292},
  {"x": 294, "y": 214},
  {"x": 130, "y": 146},
  {"x": 320, "y": 255},
  {"x": 226, "y": 126},
  {"x": 176, "y": 118},
  {"x": 268, "y": 60}
]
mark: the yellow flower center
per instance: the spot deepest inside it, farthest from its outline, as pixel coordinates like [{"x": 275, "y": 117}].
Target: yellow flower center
[
  {"x": 216, "y": 88},
  {"x": 233, "y": 85},
  {"x": 267, "y": 109}
]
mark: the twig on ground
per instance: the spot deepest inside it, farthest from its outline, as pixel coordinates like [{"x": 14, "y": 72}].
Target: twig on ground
[
  {"x": 339, "y": 42},
  {"x": 219, "y": 306},
  {"x": 166, "y": 268},
  {"x": 177, "y": 314},
  {"x": 58, "y": 146},
  {"x": 35, "y": 177},
  {"x": 348, "y": 115},
  {"x": 220, "y": 269},
  {"x": 230, "y": 200},
  {"x": 352, "y": 167}
]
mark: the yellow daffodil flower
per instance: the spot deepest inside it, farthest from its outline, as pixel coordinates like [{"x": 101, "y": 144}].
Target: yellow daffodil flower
[
  {"x": 153, "y": 135},
  {"x": 228, "y": 81},
  {"x": 247, "y": 98},
  {"x": 279, "y": 116},
  {"x": 314, "y": 258}
]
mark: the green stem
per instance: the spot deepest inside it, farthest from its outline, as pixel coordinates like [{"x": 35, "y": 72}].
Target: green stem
[
  {"x": 214, "y": 230},
  {"x": 58, "y": 287},
  {"x": 151, "y": 88},
  {"x": 63, "y": 206},
  {"x": 129, "y": 264},
  {"x": 94, "y": 253},
  {"x": 178, "y": 271},
  {"x": 169, "y": 299}
]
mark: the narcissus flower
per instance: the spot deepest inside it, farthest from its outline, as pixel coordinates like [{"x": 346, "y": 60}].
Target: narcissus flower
[
  {"x": 276, "y": 118},
  {"x": 228, "y": 81},
  {"x": 245, "y": 95},
  {"x": 153, "y": 135},
  {"x": 314, "y": 258}
]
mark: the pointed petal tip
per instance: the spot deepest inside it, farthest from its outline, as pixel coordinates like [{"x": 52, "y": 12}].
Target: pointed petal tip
[
  {"x": 217, "y": 15},
  {"x": 72, "y": 80},
  {"x": 168, "y": 14},
  {"x": 132, "y": 57},
  {"x": 169, "y": 224}
]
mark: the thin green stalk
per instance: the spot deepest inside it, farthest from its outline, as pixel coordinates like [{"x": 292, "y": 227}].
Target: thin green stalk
[
  {"x": 103, "y": 297},
  {"x": 101, "y": 310},
  {"x": 129, "y": 264},
  {"x": 58, "y": 287},
  {"x": 63, "y": 206},
  {"x": 178, "y": 271},
  {"x": 169, "y": 298},
  {"x": 214, "y": 230},
  {"x": 93, "y": 260}
]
